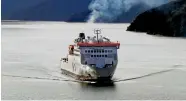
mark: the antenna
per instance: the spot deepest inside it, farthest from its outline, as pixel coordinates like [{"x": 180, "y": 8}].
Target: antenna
[{"x": 97, "y": 31}]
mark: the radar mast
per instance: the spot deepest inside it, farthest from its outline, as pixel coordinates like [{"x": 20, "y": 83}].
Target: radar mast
[{"x": 97, "y": 31}]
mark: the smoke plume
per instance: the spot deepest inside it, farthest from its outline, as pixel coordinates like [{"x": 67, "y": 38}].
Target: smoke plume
[{"x": 109, "y": 10}]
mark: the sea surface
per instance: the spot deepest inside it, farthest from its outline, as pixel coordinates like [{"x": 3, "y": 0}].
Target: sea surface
[{"x": 150, "y": 67}]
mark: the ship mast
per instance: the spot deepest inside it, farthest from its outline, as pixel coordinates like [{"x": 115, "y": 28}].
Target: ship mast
[{"x": 97, "y": 31}]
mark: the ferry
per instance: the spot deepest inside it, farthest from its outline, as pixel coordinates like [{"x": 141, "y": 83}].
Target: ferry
[{"x": 91, "y": 58}]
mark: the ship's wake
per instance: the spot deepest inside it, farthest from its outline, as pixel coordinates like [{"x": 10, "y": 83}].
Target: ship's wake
[
  {"x": 111, "y": 82},
  {"x": 41, "y": 78}
]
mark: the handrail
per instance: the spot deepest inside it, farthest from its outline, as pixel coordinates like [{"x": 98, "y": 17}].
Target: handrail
[{"x": 111, "y": 44}]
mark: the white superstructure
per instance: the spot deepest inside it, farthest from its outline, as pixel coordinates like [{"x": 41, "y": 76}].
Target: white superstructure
[{"x": 91, "y": 57}]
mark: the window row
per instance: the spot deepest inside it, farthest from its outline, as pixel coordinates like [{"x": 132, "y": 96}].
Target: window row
[
  {"x": 99, "y": 55},
  {"x": 98, "y": 51}
]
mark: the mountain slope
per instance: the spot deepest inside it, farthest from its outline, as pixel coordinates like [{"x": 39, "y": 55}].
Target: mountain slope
[
  {"x": 51, "y": 10},
  {"x": 64, "y": 10},
  {"x": 167, "y": 20},
  {"x": 9, "y": 7},
  {"x": 130, "y": 15},
  {"x": 125, "y": 17}
]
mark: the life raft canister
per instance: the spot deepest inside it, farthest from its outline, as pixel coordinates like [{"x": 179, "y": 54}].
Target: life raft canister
[{"x": 71, "y": 49}]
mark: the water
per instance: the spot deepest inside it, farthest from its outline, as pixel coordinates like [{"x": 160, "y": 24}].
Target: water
[{"x": 150, "y": 67}]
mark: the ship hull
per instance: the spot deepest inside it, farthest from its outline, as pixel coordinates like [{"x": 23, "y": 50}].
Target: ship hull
[{"x": 75, "y": 69}]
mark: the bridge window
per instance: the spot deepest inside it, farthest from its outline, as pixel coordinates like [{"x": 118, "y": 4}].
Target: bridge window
[
  {"x": 88, "y": 51},
  {"x": 105, "y": 55},
  {"x": 105, "y": 51},
  {"x": 94, "y": 51},
  {"x": 91, "y": 51},
  {"x": 85, "y": 51},
  {"x": 102, "y": 51},
  {"x": 110, "y": 51},
  {"x": 102, "y": 55},
  {"x": 91, "y": 55},
  {"x": 94, "y": 55}
]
